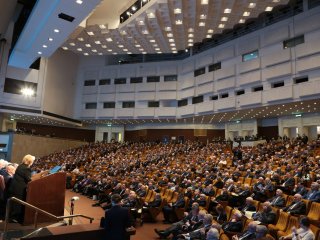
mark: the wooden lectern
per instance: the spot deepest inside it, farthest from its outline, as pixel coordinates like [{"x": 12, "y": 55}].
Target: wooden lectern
[{"x": 46, "y": 193}]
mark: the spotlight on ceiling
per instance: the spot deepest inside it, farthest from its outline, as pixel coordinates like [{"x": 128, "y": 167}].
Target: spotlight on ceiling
[{"x": 28, "y": 92}]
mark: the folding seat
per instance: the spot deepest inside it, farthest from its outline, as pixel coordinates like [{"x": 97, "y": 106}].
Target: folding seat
[
  {"x": 293, "y": 222},
  {"x": 228, "y": 212},
  {"x": 281, "y": 224},
  {"x": 315, "y": 230},
  {"x": 314, "y": 213}
]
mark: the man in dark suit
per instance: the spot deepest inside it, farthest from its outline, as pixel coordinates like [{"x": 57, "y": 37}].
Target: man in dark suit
[
  {"x": 266, "y": 216},
  {"x": 248, "y": 206},
  {"x": 288, "y": 183},
  {"x": 235, "y": 223},
  {"x": 169, "y": 210},
  {"x": 314, "y": 193},
  {"x": 278, "y": 200},
  {"x": 187, "y": 222},
  {"x": 117, "y": 220},
  {"x": 249, "y": 234},
  {"x": 297, "y": 206}
]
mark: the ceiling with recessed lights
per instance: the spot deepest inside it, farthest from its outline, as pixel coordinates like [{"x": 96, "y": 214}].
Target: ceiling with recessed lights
[{"x": 160, "y": 26}]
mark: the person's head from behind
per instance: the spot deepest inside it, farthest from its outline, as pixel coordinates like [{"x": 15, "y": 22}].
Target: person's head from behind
[
  {"x": 207, "y": 219},
  {"x": 212, "y": 234},
  {"x": 252, "y": 226},
  {"x": 115, "y": 199},
  {"x": 304, "y": 222},
  {"x": 28, "y": 160},
  {"x": 261, "y": 231},
  {"x": 219, "y": 208}
]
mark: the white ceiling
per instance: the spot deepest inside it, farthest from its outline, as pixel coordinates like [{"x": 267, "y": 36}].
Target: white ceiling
[{"x": 160, "y": 26}]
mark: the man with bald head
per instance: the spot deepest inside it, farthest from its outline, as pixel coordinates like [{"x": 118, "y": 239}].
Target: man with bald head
[{"x": 297, "y": 206}]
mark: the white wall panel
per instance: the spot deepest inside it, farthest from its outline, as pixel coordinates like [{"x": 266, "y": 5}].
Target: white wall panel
[
  {"x": 147, "y": 87},
  {"x": 225, "y": 84},
  {"x": 109, "y": 72},
  {"x": 88, "y": 113},
  {"x": 144, "y": 112},
  {"x": 225, "y": 72},
  {"x": 89, "y": 98},
  {"x": 125, "y": 96},
  {"x": 307, "y": 89},
  {"x": 307, "y": 22},
  {"x": 312, "y": 62},
  {"x": 168, "y": 69},
  {"x": 124, "y": 112},
  {"x": 248, "y": 78},
  {"x": 107, "y": 88},
  {"x": 225, "y": 103},
  {"x": 276, "y": 94},
  {"x": 249, "y": 99},
  {"x": 249, "y": 65},
  {"x": 204, "y": 78},
  {"x": 187, "y": 66},
  {"x": 145, "y": 96},
  {"x": 275, "y": 34},
  {"x": 185, "y": 110},
  {"x": 90, "y": 89},
  {"x": 106, "y": 98},
  {"x": 186, "y": 81},
  {"x": 224, "y": 53},
  {"x": 307, "y": 49},
  {"x": 91, "y": 74},
  {"x": 165, "y": 86},
  {"x": 166, "y": 95},
  {"x": 165, "y": 112},
  {"x": 148, "y": 70},
  {"x": 276, "y": 57},
  {"x": 203, "y": 60},
  {"x": 203, "y": 89},
  {"x": 275, "y": 71},
  {"x": 106, "y": 112},
  {"x": 248, "y": 44},
  {"x": 130, "y": 71},
  {"x": 123, "y": 88},
  {"x": 186, "y": 93},
  {"x": 204, "y": 107}
]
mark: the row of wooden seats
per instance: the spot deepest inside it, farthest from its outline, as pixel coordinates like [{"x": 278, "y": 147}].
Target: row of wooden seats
[{"x": 285, "y": 223}]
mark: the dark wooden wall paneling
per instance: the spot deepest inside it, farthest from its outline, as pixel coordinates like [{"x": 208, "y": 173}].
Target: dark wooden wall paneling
[
  {"x": 158, "y": 134},
  {"x": 59, "y": 132},
  {"x": 268, "y": 132}
]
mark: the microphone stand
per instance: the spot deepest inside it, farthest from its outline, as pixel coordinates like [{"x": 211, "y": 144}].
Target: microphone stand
[{"x": 71, "y": 210}]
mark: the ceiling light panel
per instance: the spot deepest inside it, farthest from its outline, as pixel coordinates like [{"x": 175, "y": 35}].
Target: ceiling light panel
[{"x": 172, "y": 24}]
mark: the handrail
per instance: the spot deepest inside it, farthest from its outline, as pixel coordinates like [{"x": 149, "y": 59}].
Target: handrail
[{"x": 57, "y": 218}]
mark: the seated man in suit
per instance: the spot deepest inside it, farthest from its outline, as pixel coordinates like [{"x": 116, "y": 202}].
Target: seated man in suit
[
  {"x": 213, "y": 234},
  {"x": 300, "y": 189},
  {"x": 248, "y": 206},
  {"x": 201, "y": 232},
  {"x": 266, "y": 216},
  {"x": 235, "y": 223},
  {"x": 288, "y": 183},
  {"x": 238, "y": 198},
  {"x": 154, "y": 204},
  {"x": 169, "y": 210},
  {"x": 249, "y": 234},
  {"x": 297, "y": 206},
  {"x": 278, "y": 200},
  {"x": 314, "y": 193},
  {"x": 221, "y": 214},
  {"x": 188, "y": 222}
]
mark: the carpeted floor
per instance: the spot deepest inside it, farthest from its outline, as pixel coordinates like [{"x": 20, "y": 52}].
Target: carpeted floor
[{"x": 83, "y": 206}]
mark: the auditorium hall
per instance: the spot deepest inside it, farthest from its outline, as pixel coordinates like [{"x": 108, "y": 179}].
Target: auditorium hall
[{"x": 160, "y": 119}]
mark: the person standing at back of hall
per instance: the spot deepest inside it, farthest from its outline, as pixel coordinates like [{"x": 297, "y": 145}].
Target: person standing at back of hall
[
  {"x": 117, "y": 220},
  {"x": 18, "y": 187}
]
